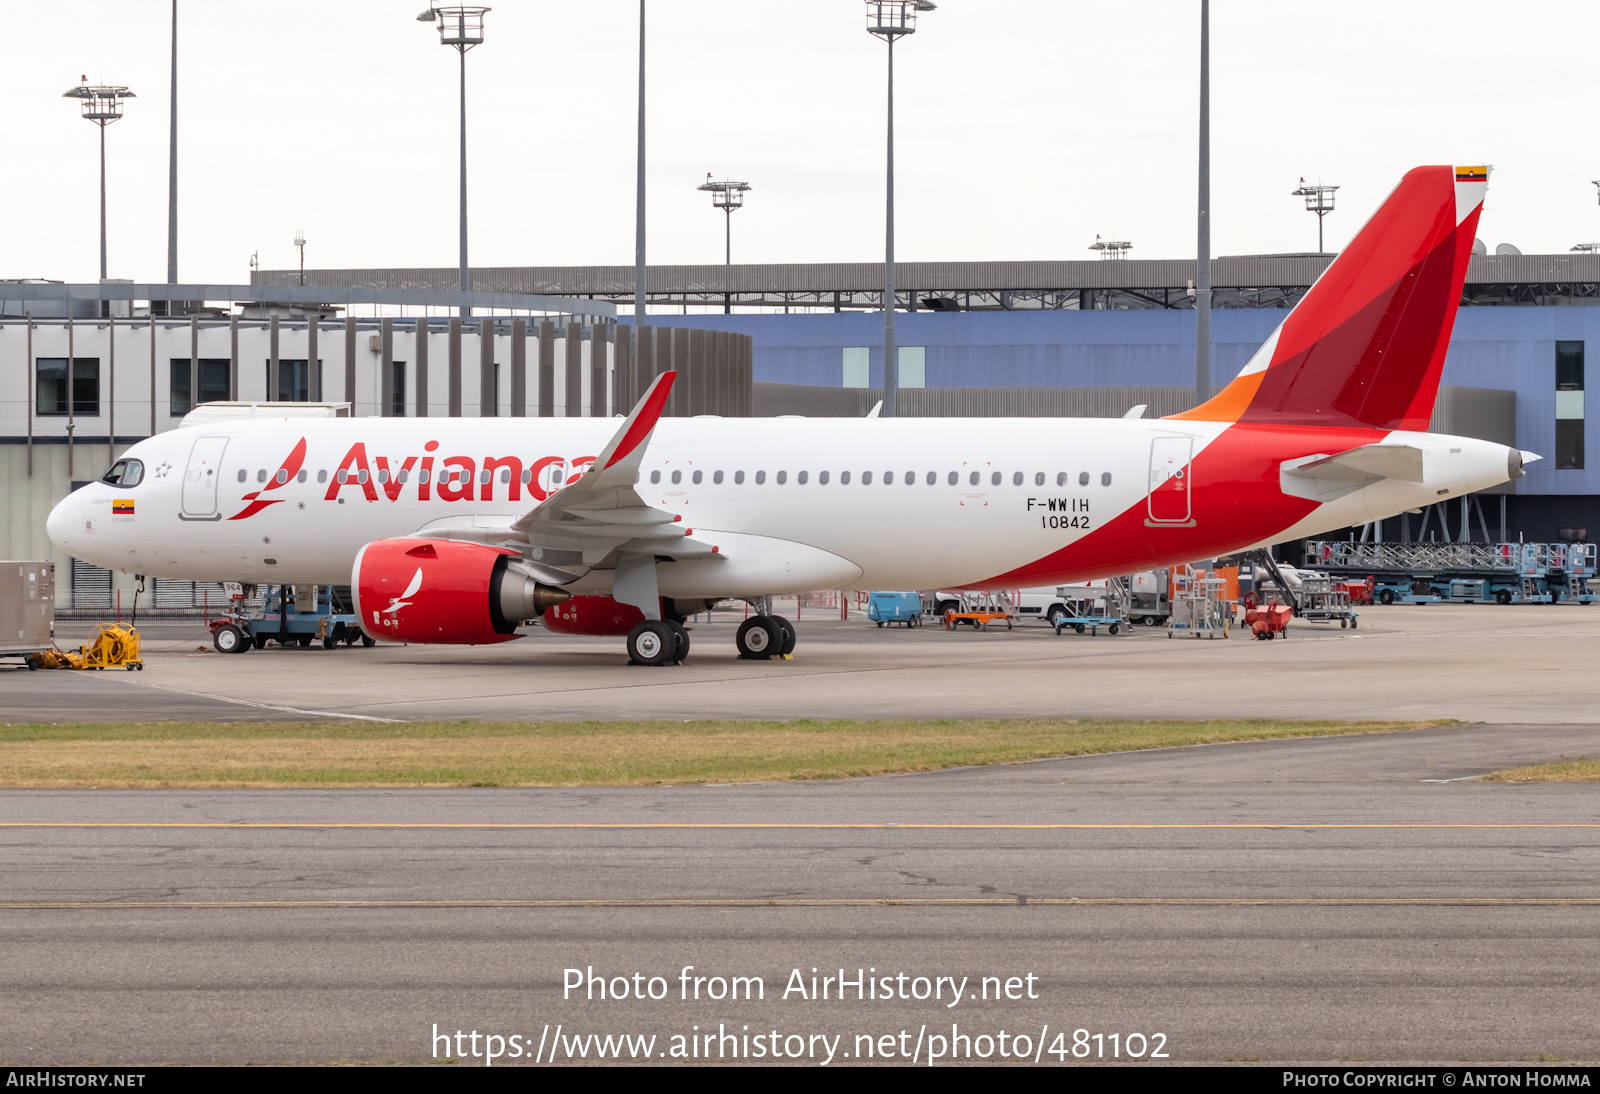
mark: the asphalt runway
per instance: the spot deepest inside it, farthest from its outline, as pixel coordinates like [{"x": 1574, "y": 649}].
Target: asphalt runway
[
  {"x": 1509, "y": 665},
  {"x": 1313, "y": 900}
]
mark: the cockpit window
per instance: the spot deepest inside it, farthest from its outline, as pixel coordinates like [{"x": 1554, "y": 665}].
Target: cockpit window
[{"x": 124, "y": 473}]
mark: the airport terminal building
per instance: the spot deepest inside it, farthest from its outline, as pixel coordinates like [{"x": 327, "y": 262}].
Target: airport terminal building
[{"x": 90, "y": 370}]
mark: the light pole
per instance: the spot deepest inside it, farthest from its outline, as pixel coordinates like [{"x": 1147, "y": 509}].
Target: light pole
[
  {"x": 1319, "y": 200},
  {"x": 300, "y": 245},
  {"x": 1202, "y": 264},
  {"x": 101, "y": 105},
  {"x": 729, "y": 197},
  {"x": 638, "y": 197},
  {"x": 172, "y": 163},
  {"x": 462, "y": 28},
  {"x": 889, "y": 20}
]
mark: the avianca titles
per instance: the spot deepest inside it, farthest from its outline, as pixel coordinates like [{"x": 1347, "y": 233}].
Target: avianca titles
[{"x": 458, "y": 530}]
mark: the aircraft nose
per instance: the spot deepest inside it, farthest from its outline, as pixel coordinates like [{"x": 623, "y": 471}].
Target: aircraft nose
[{"x": 63, "y": 522}]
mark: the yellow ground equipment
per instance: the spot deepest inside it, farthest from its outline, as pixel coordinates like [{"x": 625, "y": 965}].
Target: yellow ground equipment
[{"x": 113, "y": 645}]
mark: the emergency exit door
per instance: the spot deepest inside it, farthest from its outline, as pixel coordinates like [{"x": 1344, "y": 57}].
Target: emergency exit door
[
  {"x": 1169, "y": 480},
  {"x": 201, "y": 477}
]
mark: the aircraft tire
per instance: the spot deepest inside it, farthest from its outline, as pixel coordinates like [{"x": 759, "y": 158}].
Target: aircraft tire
[
  {"x": 651, "y": 643},
  {"x": 680, "y": 640},
  {"x": 786, "y": 631},
  {"x": 758, "y": 639}
]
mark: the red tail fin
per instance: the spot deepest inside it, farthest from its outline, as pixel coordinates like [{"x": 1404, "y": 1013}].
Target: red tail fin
[{"x": 1366, "y": 345}]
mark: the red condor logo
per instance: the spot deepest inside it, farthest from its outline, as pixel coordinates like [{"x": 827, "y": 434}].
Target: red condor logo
[{"x": 456, "y": 478}]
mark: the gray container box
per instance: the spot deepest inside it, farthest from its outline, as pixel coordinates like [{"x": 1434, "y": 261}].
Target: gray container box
[{"x": 27, "y": 607}]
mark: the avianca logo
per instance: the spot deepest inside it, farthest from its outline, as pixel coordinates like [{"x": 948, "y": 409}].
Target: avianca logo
[
  {"x": 283, "y": 476},
  {"x": 401, "y": 601},
  {"x": 457, "y": 478}
]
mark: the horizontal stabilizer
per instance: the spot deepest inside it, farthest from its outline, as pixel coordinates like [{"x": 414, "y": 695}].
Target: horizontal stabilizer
[{"x": 1323, "y": 478}]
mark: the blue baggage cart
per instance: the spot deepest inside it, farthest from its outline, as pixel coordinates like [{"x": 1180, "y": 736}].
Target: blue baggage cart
[{"x": 895, "y": 608}]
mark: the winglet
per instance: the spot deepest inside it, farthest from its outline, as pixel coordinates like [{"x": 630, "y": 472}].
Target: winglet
[{"x": 635, "y": 432}]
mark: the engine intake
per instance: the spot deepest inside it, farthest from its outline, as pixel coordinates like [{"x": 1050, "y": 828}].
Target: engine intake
[{"x": 443, "y": 591}]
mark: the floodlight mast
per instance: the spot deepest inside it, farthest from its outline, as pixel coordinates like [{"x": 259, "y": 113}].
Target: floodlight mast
[
  {"x": 728, "y": 196},
  {"x": 300, "y": 244},
  {"x": 890, "y": 20},
  {"x": 102, "y": 105},
  {"x": 461, "y": 28},
  {"x": 1319, "y": 200},
  {"x": 1111, "y": 248}
]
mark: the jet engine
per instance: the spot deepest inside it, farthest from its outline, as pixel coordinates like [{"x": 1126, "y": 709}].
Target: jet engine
[{"x": 432, "y": 590}]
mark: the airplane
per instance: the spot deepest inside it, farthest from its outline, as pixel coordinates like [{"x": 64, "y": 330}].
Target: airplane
[{"x": 459, "y": 530}]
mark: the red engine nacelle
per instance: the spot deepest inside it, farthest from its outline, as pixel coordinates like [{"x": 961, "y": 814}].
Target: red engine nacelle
[
  {"x": 593, "y": 615},
  {"x": 430, "y": 590}
]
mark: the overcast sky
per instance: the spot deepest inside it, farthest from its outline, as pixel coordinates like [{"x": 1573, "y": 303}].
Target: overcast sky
[{"x": 1025, "y": 128}]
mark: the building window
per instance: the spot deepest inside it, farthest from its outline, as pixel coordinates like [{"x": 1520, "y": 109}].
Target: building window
[
  {"x": 1569, "y": 405},
  {"x": 214, "y": 386},
  {"x": 52, "y": 386},
  {"x": 294, "y": 382},
  {"x": 913, "y": 366},
  {"x": 857, "y": 366},
  {"x": 398, "y": 409}
]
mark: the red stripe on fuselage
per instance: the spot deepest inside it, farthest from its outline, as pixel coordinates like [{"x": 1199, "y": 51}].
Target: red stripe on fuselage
[{"x": 1235, "y": 501}]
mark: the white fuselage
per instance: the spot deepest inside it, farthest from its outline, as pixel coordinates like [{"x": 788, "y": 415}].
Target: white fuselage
[{"x": 771, "y": 493}]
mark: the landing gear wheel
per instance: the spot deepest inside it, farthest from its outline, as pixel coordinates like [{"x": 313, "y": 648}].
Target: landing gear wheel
[
  {"x": 228, "y": 639},
  {"x": 787, "y": 639},
  {"x": 259, "y": 641},
  {"x": 680, "y": 638},
  {"x": 758, "y": 638},
  {"x": 651, "y": 643},
  {"x": 1386, "y": 596}
]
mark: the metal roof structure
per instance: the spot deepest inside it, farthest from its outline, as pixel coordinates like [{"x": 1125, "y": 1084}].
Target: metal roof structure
[{"x": 1245, "y": 281}]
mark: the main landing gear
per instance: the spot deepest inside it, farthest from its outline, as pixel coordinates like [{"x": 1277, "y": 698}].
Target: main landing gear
[
  {"x": 763, "y": 637},
  {"x": 658, "y": 642}
]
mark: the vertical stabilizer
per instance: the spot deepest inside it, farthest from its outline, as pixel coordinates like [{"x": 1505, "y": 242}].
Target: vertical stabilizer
[{"x": 1366, "y": 345}]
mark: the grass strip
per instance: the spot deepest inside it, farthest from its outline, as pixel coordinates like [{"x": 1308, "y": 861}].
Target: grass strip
[
  {"x": 1562, "y": 771},
  {"x": 454, "y": 754}
]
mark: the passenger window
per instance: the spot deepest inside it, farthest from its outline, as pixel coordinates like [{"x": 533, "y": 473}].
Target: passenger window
[
  {"x": 361, "y": 477},
  {"x": 698, "y": 475},
  {"x": 527, "y": 476},
  {"x": 911, "y": 478},
  {"x": 261, "y": 475},
  {"x": 1105, "y": 479},
  {"x": 994, "y": 479},
  {"x": 301, "y": 477},
  {"x": 677, "y": 477},
  {"x": 974, "y": 478},
  {"x": 783, "y": 477},
  {"x": 955, "y": 477},
  {"x": 483, "y": 476},
  {"x": 738, "y": 478},
  {"x": 844, "y": 478},
  {"x": 383, "y": 474},
  {"x": 866, "y": 478},
  {"x": 761, "y": 477},
  {"x": 1016, "y": 478},
  {"x": 505, "y": 475},
  {"x": 1083, "y": 478},
  {"x": 322, "y": 476},
  {"x": 822, "y": 478},
  {"x": 422, "y": 476},
  {"x": 655, "y": 477},
  {"x": 243, "y": 474},
  {"x": 1061, "y": 478},
  {"x": 343, "y": 476},
  {"x": 801, "y": 478},
  {"x": 933, "y": 477},
  {"x": 888, "y": 478},
  {"x": 716, "y": 477},
  {"x": 403, "y": 476}
]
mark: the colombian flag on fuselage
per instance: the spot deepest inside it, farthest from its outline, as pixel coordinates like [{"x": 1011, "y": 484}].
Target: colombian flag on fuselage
[{"x": 122, "y": 507}]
